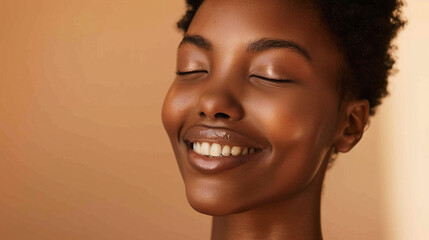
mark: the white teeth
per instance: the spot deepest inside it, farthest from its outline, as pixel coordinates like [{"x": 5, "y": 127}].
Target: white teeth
[
  {"x": 226, "y": 150},
  {"x": 196, "y": 147},
  {"x": 205, "y": 148},
  {"x": 235, "y": 151},
  {"x": 216, "y": 150}
]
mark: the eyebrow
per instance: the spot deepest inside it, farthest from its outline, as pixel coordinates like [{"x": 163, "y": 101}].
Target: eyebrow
[
  {"x": 196, "y": 40},
  {"x": 267, "y": 44},
  {"x": 260, "y": 45}
]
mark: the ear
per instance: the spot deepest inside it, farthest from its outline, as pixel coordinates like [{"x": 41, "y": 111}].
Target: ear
[{"x": 352, "y": 124}]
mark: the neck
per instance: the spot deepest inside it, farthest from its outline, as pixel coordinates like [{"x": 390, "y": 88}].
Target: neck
[{"x": 294, "y": 218}]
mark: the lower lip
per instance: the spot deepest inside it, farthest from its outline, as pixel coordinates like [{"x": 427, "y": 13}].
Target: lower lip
[{"x": 207, "y": 164}]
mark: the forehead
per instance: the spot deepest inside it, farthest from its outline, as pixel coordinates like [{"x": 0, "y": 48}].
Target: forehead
[{"x": 254, "y": 18}]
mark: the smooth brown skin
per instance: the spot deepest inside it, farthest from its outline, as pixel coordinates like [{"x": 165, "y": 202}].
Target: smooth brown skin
[{"x": 299, "y": 123}]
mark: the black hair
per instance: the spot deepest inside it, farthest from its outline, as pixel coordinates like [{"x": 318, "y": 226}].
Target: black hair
[{"x": 364, "y": 30}]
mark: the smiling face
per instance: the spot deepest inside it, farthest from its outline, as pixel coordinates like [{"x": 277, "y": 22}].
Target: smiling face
[{"x": 254, "y": 109}]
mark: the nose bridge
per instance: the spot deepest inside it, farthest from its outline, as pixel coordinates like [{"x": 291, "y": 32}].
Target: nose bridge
[{"x": 222, "y": 98}]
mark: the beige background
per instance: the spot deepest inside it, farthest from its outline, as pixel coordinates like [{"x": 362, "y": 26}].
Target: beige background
[{"x": 83, "y": 154}]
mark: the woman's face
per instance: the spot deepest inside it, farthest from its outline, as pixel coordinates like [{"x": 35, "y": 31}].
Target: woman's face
[{"x": 255, "y": 75}]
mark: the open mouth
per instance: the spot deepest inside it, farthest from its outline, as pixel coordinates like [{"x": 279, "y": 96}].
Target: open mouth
[
  {"x": 218, "y": 150},
  {"x": 215, "y": 157},
  {"x": 214, "y": 149}
]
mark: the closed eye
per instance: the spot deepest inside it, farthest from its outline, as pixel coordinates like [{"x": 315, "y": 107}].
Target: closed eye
[
  {"x": 272, "y": 79},
  {"x": 180, "y": 73}
]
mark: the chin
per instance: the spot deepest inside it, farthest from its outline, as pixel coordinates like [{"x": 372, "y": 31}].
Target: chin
[{"x": 213, "y": 204}]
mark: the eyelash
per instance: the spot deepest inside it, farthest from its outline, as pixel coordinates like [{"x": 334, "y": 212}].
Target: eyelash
[
  {"x": 190, "y": 72},
  {"x": 180, "y": 73},
  {"x": 272, "y": 79}
]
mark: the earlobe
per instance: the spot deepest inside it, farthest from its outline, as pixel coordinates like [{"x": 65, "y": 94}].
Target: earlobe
[{"x": 352, "y": 126}]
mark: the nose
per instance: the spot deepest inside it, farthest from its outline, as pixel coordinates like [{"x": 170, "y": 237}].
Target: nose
[{"x": 220, "y": 103}]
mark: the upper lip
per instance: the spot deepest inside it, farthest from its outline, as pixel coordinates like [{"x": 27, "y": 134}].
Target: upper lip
[{"x": 221, "y": 135}]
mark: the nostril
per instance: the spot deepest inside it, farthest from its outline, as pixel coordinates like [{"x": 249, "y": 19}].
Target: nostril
[
  {"x": 222, "y": 115},
  {"x": 219, "y": 115}
]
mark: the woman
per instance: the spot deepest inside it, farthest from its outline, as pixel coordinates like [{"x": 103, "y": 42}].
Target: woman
[{"x": 266, "y": 93}]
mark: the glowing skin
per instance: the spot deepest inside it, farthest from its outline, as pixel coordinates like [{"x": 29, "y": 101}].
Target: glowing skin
[{"x": 225, "y": 94}]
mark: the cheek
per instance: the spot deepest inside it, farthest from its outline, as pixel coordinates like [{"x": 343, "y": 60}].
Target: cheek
[
  {"x": 299, "y": 129},
  {"x": 175, "y": 108},
  {"x": 287, "y": 120}
]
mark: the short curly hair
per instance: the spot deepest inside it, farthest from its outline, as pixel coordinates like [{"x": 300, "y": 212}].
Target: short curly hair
[{"x": 364, "y": 30}]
